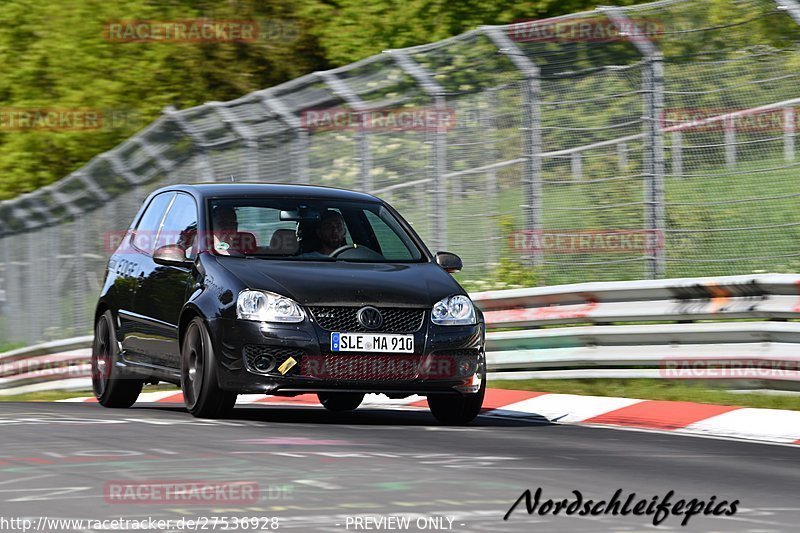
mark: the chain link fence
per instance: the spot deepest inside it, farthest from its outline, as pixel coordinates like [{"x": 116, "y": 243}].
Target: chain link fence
[{"x": 622, "y": 143}]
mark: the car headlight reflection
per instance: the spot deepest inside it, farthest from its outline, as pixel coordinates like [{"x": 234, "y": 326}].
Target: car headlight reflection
[
  {"x": 453, "y": 311},
  {"x": 264, "y": 306}
]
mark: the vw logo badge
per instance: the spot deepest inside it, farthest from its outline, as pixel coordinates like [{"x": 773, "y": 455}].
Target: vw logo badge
[{"x": 370, "y": 318}]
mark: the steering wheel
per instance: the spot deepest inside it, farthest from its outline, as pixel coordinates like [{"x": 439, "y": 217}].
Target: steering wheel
[{"x": 340, "y": 250}]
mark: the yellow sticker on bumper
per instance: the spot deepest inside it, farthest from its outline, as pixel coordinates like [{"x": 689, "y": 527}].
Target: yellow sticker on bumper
[{"x": 287, "y": 365}]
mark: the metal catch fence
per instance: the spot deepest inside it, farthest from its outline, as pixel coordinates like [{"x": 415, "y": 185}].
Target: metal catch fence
[{"x": 650, "y": 141}]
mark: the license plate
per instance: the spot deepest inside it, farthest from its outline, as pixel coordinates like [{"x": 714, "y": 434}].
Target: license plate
[{"x": 372, "y": 342}]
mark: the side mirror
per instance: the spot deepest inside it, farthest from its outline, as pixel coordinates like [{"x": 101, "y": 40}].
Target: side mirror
[
  {"x": 450, "y": 262},
  {"x": 172, "y": 255}
]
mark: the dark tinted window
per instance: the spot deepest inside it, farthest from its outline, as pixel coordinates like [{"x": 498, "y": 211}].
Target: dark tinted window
[
  {"x": 180, "y": 226},
  {"x": 310, "y": 229},
  {"x": 392, "y": 246},
  {"x": 148, "y": 227}
]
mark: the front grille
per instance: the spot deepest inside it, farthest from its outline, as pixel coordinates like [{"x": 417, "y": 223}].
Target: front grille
[
  {"x": 253, "y": 351},
  {"x": 361, "y": 367},
  {"x": 395, "y": 319}
]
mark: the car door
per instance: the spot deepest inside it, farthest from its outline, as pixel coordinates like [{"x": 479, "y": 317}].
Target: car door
[
  {"x": 164, "y": 289},
  {"x": 132, "y": 332}
]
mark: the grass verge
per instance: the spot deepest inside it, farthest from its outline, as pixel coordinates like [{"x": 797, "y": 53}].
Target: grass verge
[{"x": 653, "y": 389}]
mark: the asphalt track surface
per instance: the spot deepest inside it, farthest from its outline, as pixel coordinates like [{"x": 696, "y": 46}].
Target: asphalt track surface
[{"x": 315, "y": 469}]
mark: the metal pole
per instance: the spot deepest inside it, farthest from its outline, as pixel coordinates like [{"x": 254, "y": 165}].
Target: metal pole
[
  {"x": 5, "y": 330},
  {"x": 653, "y": 89},
  {"x": 622, "y": 156},
  {"x": 576, "y": 164},
  {"x": 203, "y": 164},
  {"x": 343, "y": 91},
  {"x": 531, "y": 129},
  {"x": 789, "y": 118},
  {"x": 248, "y": 137},
  {"x": 440, "y": 169},
  {"x": 677, "y": 154},
  {"x": 489, "y": 124},
  {"x": 439, "y": 150},
  {"x": 300, "y": 146},
  {"x": 730, "y": 143}
]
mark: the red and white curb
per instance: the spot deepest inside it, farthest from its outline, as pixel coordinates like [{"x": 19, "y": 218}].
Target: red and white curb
[{"x": 765, "y": 425}]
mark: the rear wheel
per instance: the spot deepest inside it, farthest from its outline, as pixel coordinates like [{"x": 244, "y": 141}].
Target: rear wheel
[
  {"x": 340, "y": 401},
  {"x": 201, "y": 392},
  {"x": 111, "y": 386},
  {"x": 457, "y": 410}
]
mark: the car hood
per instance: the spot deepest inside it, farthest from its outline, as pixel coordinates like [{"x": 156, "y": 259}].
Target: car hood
[{"x": 347, "y": 283}]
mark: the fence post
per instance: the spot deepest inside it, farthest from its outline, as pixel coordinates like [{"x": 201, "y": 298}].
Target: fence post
[
  {"x": 677, "y": 154},
  {"x": 491, "y": 128},
  {"x": 789, "y": 114},
  {"x": 622, "y": 156},
  {"x": 4, "y": 269},
  {"x": 576, "y": 165},
  {"x": 299, "y": 152},
  {"x": 653, "y": 89},
  {"x": 730, "y": 142},
  {"x": 789, "y": 119},
  {"x": 439, "y": 152},
  {"x": 247, "y": 135},
  {"x": 204, "y": 162},
  {"x": 531, "y": 128},
  {"x": 343, "y": 91}
]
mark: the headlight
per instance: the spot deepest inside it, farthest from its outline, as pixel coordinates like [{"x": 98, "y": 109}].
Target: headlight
[
  {"x": 263, "y": 306},
  {"x": 453, "y": 311}
]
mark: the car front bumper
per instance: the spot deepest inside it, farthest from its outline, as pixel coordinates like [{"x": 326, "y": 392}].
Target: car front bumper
[{"x": 446, "y": 360}]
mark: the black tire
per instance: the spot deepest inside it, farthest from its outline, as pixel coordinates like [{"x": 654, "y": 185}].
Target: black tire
[
  {"x": 201, "y": 392},
  {"x": 340, "y": 401},
  {"x": 457, "y": 410},
  {"x": 111, "y": 386}
]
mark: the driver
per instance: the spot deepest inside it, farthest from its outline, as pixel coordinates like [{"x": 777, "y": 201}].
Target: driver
[{"x": 331, "y": 232}]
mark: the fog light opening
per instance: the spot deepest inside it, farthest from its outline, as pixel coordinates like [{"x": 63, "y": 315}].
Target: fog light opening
[
  {"x": 264, "y": 363},
  {"x": 465, "y": 368}
]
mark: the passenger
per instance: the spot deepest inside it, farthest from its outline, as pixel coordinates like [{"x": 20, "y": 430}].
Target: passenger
[
  {"x": 227, "y": 237},
  {"x": 223, "y": 219}
]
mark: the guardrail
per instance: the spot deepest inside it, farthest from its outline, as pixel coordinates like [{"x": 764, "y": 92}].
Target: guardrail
[
  {"x": 733, "y": 328},
  {"x": 57, "y": 365}
]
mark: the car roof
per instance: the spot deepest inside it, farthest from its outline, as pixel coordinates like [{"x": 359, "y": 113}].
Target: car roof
[{"x": 236, "y": 190}]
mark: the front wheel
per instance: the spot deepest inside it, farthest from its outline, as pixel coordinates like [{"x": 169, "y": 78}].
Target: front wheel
[
  {"x": 111, "y": 387},
  {"x": 457, "y": 410},
  {"x": 340, "y": 401},
  {"x": 201, "y": 392}
]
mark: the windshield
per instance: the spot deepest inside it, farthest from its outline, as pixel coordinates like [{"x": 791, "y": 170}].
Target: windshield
[{"x": 309, "y": 230}]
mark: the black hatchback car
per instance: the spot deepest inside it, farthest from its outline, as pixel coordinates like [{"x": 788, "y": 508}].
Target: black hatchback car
[{"x": 227, "y": 289}]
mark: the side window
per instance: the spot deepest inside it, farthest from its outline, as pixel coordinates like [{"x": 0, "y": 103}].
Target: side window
[
  {"x": 147, "y": 230},
  {"x": 180, "y": 226},
  {"x": 392, "y": 247}
]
